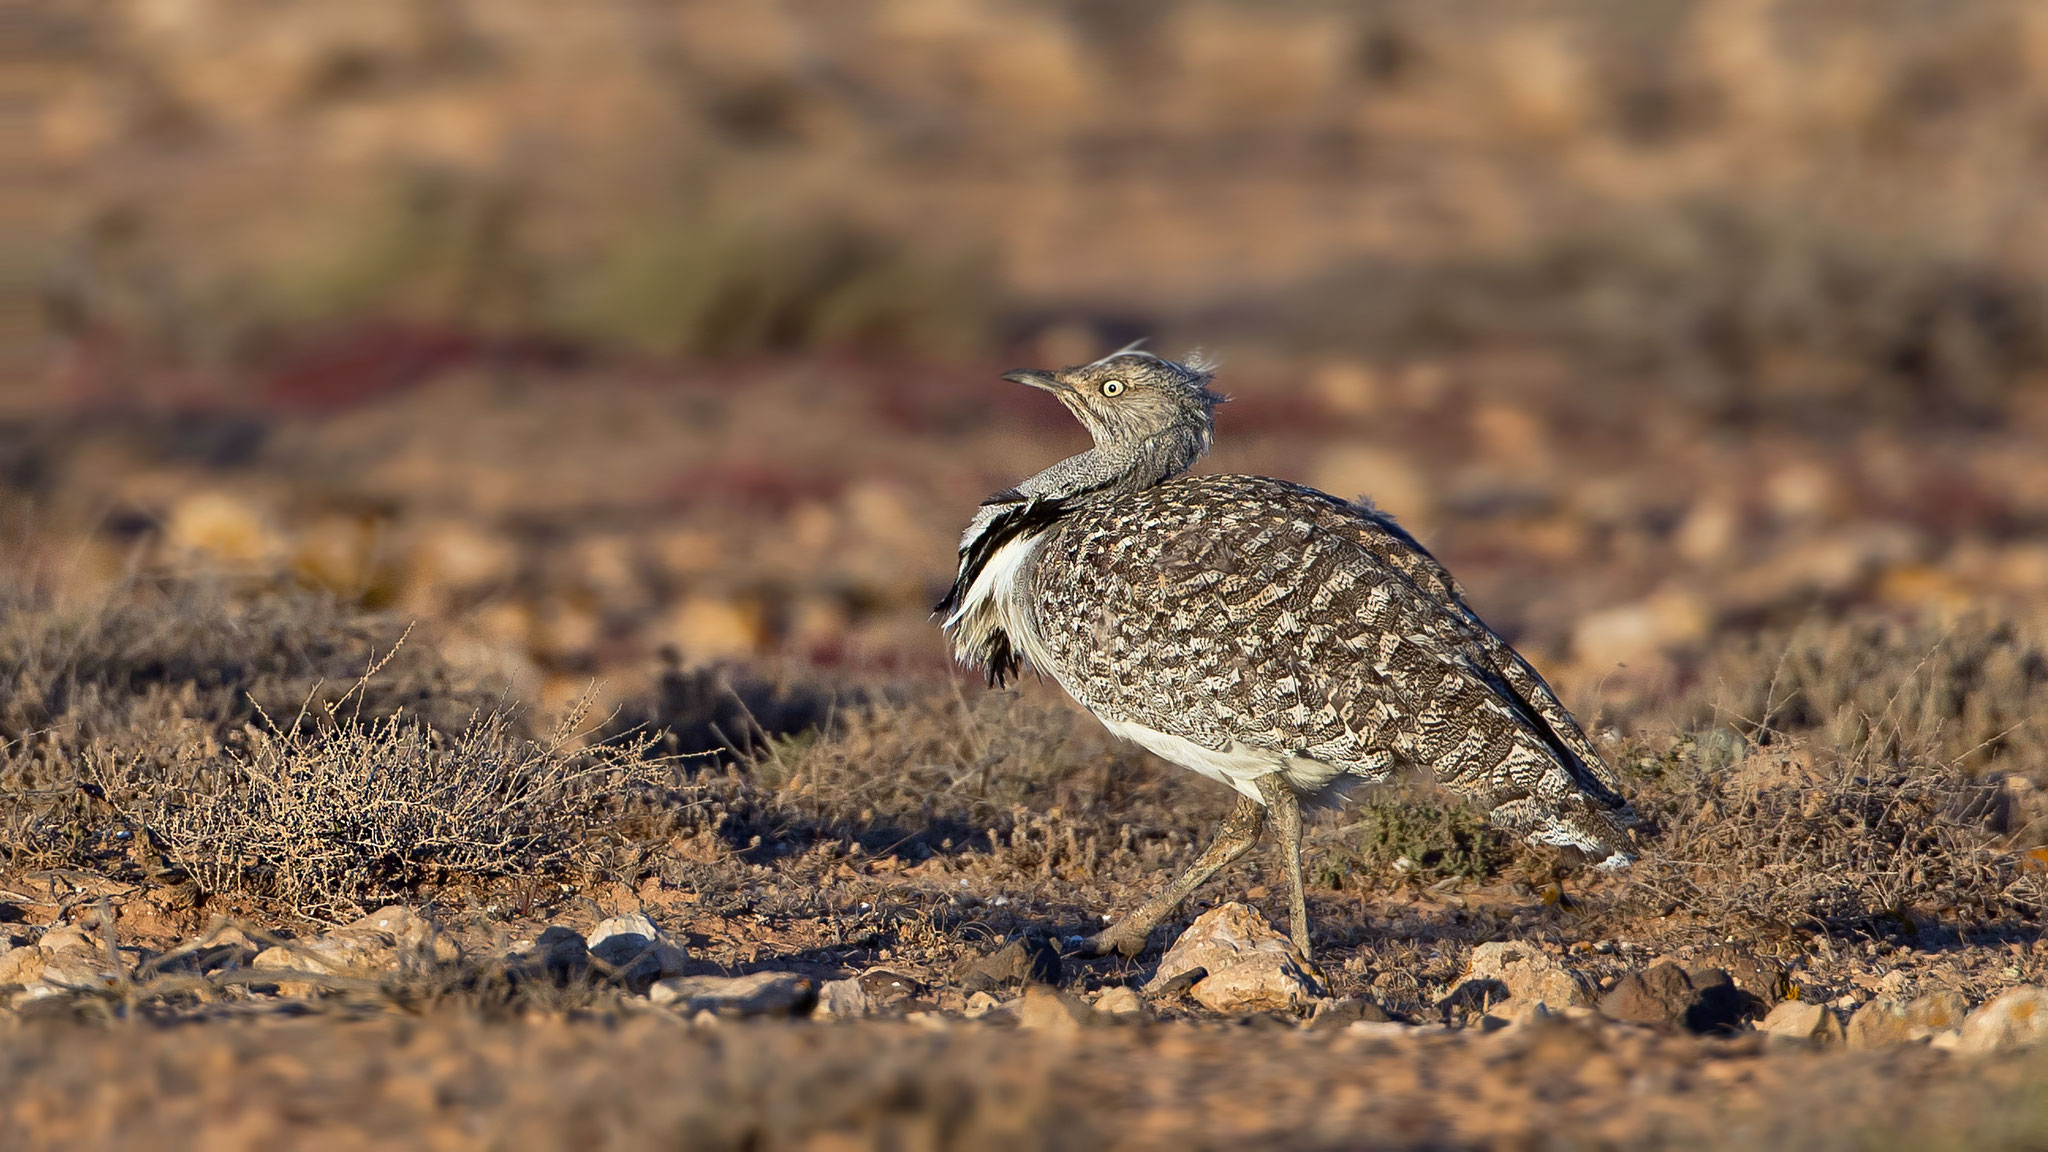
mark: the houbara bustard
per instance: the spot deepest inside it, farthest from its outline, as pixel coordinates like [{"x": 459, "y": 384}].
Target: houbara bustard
[{"x": 1274, "y": 638}]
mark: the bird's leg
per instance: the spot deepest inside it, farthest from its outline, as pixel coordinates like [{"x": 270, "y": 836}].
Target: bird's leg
[
  {"x": 1128, "y": 935},
  {"x": 1286, "y": 810}
]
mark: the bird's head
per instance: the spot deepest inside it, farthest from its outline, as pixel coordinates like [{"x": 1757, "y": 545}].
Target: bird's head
[{"x": 1130, "y": 397}]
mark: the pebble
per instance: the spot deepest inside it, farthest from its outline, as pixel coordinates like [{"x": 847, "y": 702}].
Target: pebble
[
  {"x": 2016, "y": 1018},
  {"x": 636, "y": 951},
  {"x": 758, "y": 994}
]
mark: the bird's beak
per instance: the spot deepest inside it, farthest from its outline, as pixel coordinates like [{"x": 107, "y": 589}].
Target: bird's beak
[{"x": 1042, "y": 380}]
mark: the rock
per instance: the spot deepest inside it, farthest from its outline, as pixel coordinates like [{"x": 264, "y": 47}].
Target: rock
[
  {"x": 1502, "y": 977},
  {"x": 760, "y": 994},
  {"x": 368, "y": 947},
  {"x": 2015, "y": 1018},
  {"x": 886, "y": 989},
  {"x": 1659, "y": 996},
  {"x": 338, "y": 953},
  {"x": 1261, "y": 982},
  {"x": 410, "y": 933},
  {"x": 982, "y": 1004},
  {"x": 1122, "y": 1002},
  {"x": 1249, "y": 965},
  {"x": 1027, "y": 960},
  {"x": 1520, "y": 1015},
  {"x": 1225, "y": 935},
  {"x": 1178, "y": 986},
  {"x": 1346, "y": 1012},
  {"x": 22, "y": 966},
  {"x": 71, "y": 938},
  {"x": 561, "y": 956},
  {"x": 1804, "y": 1023},
  {"x": 1758, "y": 976},
  {"x": 635, "y": 951},
  {"x": 846, "y": 999},
  {"x": 73, "y": 969},
  {"x": 1666, "y": 996},
  {"x": 226, "y": 948},
  {"x": 1719, "y": 1007},
  {"x": 1941, "y": 1011},
  {"x": 1888, "y": 1023},
  {"x": 1047, "y": 1009}
]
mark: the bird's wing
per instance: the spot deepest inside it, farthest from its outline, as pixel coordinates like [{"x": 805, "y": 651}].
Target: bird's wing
[
  {"x": 1236, "y": 611},
  {"x": 1392, "y": 545}
]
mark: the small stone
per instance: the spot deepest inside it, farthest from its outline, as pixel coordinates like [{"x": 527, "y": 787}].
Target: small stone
[
  {"x": 1666, "y": 996},
  {"x": 1260, "y": 982},
  {"x": 1047, "y": 1009},
  {"x": 1939, "y": 1011},
  {"x": 845, "y": 999},
  {"x": 2015, "y": 1018},
  {"x": 409, "y": 932},
  {"x": 1178, "y": 985},
  {"x": 1026, "y": 960},
  {"x": 1803, "y": 1023},
  {"x": 760, "y": 994},
  {"x": 1521, "y": 1014},
  {"x": 70, "y": 938},
  {"x": 1759, "y": 976},
  {"x": 1346, "y": 1012},
  {"x": 1385, "y": 1030},
  {"x": 636, "y": 951},
  {"x": 561, "y": 956},
  {"x": 1889, "y": 1023},
  {"x": 1505, "y": 975},
  {"x": 1122, "y": 1001},
  {"x": 23, "y": 965},
  {"x": 981, "y": 1004},
  {"x": 886, "y": 989},
  {"x": 1226, "y": 935}
]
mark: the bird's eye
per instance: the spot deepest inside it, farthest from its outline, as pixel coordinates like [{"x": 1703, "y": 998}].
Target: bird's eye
[{"x": 1112, "y": 387}]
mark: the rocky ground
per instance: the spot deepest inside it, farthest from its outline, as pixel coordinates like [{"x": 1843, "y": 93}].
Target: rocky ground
[{"x": 781, "y": 879}]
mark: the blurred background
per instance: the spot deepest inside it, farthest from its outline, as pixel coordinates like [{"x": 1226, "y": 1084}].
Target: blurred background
[{"x": 602, "y": 334}]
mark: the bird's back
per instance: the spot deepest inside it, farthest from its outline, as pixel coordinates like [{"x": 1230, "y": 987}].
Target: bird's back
[{"x": 1244, "y": 614}]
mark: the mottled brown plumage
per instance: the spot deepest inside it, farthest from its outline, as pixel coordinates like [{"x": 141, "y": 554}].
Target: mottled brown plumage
[{"x": 1267, "y": 635}]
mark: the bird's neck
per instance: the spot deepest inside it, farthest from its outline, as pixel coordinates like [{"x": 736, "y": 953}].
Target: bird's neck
[{"x": 1107, "y": 471}]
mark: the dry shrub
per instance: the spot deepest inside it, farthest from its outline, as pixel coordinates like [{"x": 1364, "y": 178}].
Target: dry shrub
[
  {"x": 1859, "y": 782},
  {"x": 1801, "y": 838},
  {"x": 933, "y": 769},
  {"x": 330, "y": 818},
  {"x": 1972, "y": 693},
  {"x": 224, "y": 650},
  {"x": 165, "y": 677}
]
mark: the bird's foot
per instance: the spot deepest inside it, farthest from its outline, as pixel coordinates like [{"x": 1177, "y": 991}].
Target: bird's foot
[{"x": 1122, "y": 938}]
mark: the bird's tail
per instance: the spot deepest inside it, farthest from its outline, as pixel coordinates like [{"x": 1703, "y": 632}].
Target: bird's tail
[{"x": 1597, "y": 831}]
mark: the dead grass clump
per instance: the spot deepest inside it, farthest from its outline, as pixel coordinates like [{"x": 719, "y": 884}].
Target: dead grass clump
[
  {"x": 936, "y": 771},
  {"x": 1972, "y": 693},
  {"x": 1799, "y": 838},
  {"x": 329, "y": 818},
  {"x": 225, "y": 651},
  {"x": 165, "y": 677}
]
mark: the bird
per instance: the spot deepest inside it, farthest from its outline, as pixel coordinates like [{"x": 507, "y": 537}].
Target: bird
[{"x": 1277, "y": 639}]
